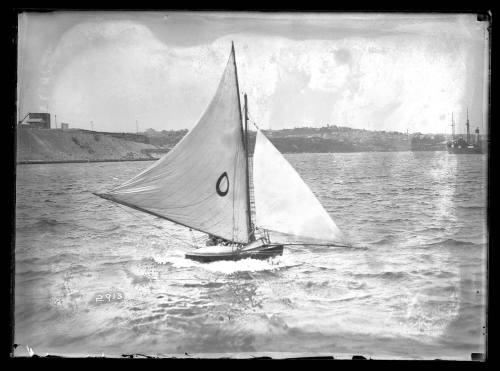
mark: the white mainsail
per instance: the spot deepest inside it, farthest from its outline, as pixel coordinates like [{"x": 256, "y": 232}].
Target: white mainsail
[
  {"x": 283, "y": 202},
  {"x": 201, "y": 182}
]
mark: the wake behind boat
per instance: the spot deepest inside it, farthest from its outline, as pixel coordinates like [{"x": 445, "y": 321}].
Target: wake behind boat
[{"x": 204, "y": 183}]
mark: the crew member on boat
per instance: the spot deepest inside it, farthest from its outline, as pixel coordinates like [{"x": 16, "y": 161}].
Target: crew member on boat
[
  {"x": 216, "y": 241},
  {"x": 212, "y": 240}
]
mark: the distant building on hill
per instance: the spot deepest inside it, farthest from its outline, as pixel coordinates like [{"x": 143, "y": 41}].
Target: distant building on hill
[
  {"x": 37, "y": 120},
  {"x": 64, "y": 126}
]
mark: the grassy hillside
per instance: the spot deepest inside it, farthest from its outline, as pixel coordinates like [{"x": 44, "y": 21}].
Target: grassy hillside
[
  {"x": 80, "y": 145},
  {"x": 58, "y": 145},
  {"x": 325, "y": 139}
]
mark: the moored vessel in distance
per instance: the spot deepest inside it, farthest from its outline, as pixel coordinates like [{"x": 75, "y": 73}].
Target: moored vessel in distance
[
  {"x": 205, "y": 183},
  {"x": 465, "y": 146}
]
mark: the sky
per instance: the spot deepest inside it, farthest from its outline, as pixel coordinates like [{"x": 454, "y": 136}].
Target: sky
[{"x": 129, "y": 69}]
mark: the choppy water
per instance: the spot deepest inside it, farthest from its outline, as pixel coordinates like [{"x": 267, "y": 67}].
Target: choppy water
[{"x": 415, "y": 286}]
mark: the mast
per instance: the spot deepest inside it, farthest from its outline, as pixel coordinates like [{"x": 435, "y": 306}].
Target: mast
[
  {"x": 467, "y": 124},
  {"x": 251, "y": 236},
  {"x": 244, "y": 132}
]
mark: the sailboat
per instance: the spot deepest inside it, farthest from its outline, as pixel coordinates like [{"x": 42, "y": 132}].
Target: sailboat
[{"x": 204, "y": 184}]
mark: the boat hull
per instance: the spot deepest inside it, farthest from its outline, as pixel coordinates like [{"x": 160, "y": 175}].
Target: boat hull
[
  {"x": 261, "y": 253},
  {"x": 457, "y": 147},
  {"x": 466, "y": 151}
]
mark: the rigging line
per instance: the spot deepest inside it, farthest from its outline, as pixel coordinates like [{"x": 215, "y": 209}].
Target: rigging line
[
  {"x": 249, "y": 115},
  {"x": 161, "y": 229},
  {"x": 193, "y": 238},
  {"x": 253, "y": 120}
]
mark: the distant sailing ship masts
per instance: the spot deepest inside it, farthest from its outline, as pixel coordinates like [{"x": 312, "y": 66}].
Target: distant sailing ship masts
[
  {"x": 461, "y": 145},
  {"x": 467, "y": 125}
]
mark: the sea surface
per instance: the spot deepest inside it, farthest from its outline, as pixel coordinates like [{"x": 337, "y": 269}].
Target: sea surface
[{"x": 96, "y": 278}]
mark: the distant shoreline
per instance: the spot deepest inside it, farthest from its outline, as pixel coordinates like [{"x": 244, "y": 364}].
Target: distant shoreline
[
  {"x": 36, "y": 162},
  {"x": 43, "y": 146}
]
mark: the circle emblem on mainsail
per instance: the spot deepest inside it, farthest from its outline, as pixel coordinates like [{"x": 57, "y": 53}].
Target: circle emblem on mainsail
[{"x": 222, "y": 186}]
